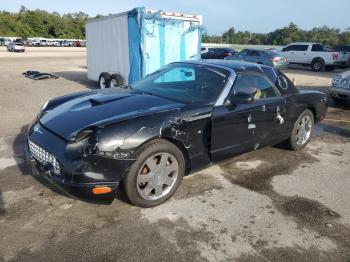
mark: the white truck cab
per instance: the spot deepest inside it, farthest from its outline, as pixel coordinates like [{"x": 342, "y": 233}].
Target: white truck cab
[{"x": 316, "y": 55}]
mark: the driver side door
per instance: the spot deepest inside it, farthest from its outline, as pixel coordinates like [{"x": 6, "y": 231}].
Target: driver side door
[{"x": 238, "y": 128}]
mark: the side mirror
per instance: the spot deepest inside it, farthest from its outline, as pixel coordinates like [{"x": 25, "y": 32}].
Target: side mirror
[{"x": 241, "y": 98}]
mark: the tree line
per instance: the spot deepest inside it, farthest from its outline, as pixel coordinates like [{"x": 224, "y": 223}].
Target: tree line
[
  {"x": 39, "y": 23},
  {"x": 282, "y": 36}
]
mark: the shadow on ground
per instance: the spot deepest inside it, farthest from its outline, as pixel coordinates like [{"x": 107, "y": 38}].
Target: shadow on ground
[{"x": 79, "y": 77}]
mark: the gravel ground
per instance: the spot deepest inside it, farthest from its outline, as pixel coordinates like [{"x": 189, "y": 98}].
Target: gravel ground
[{"x": 268, "y": 205}]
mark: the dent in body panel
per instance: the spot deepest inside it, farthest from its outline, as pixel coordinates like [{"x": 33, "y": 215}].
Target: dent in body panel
[{"x": 190, "y": 129}]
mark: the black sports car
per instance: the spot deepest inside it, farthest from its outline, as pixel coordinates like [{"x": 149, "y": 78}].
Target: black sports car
[{"x": 177, "y": 120}]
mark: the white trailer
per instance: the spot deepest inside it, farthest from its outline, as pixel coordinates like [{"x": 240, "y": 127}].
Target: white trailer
[{"x": 125, "y": 47}]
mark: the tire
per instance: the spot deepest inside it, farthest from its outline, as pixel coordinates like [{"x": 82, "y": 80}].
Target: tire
[
  {"x": 103, "y": 80},
  {"x": 140, "y": 188},
  {"x": 317, "y": 65},
  {"x": 116, "y": 80},
  {"x": 292, "y": 142},
  {"x": 329, "y": 68}
]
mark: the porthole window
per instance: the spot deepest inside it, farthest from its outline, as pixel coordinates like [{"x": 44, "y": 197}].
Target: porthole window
[{"x": 282, "y": 82}]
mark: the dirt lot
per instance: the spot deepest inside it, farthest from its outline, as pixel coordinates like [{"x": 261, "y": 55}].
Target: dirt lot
[{"x": 269, "y": 205}]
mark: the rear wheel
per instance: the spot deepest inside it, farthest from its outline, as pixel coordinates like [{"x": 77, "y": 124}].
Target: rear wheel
[
  {"x": 317, "y": 65},
  {"x": 302, "y": 131},
  {"x": 155, "y": 175},
  {"x": 104, "y": 80}
]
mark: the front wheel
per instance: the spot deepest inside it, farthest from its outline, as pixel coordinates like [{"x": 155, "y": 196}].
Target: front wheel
[
  {"x": 155, "y": 175},
  {"x": 302, "y": 131}
]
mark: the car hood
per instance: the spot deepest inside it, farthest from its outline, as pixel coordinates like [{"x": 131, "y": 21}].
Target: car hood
[{"x": 102, "y": 108}]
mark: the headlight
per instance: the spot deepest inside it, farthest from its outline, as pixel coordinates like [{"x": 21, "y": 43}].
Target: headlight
[
  {"x": 338, "y": 81},
  {"x": 90, "y": 133}
]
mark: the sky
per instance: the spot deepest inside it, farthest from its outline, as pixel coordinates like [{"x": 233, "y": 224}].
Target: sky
[{"x": 259, "y": 16}]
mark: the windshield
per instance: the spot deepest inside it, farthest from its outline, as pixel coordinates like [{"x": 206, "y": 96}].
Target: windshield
[{"x": 186, "y": 83}]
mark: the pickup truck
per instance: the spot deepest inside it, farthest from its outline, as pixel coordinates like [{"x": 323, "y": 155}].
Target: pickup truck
[{"x": 318, "y": 56}]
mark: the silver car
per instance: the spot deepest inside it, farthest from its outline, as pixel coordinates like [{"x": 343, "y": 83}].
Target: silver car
[
  {"x": 340, "y": 90},
  {"x": 261, "y": 56},
  {"x": 15, "y": 47}
]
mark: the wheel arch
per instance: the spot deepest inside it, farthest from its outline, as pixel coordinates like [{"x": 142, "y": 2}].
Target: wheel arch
[
  {"x": 317, "y": 58},
  {"x": 312, "y": 108},
  {"x": 175, "y": 142}
]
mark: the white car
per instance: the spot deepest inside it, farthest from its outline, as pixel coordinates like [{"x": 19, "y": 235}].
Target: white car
[
  {"x": 318, "y": 56},
  {"x": 15, "y": 47}
]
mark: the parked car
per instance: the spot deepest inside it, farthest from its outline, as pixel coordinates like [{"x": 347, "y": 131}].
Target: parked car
[
  {"x": 315, "y": 55},
  {"x": 180, "y": 119},
  {"x": 261, "y": 56},
  {"x": 218, "y": 53},
  {"x": 15, "y": 47},
  {"x": 340, "y": 90},
  {"x": 7, "y": 42},
  {"x": 43, "y": 42}
]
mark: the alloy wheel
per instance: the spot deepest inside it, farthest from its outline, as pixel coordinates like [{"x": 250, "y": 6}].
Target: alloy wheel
[
  {"x": 157, "y": 176},
  {"x": 304, "y": 130}
]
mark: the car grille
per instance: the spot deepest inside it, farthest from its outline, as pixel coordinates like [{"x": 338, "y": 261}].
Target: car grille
[{"x": 44, "y": 157}]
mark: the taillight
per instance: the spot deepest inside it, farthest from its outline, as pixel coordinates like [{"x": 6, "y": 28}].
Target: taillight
[
  {"x": 276, "y": 59},
  {"x": 226, "y": 54},
  {"x": 335, "y": 56}
]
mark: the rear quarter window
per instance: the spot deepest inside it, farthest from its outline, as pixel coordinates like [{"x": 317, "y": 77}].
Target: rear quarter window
[
  {"x": 281, "y": 81},
  {"x": 318, "y": 48}
]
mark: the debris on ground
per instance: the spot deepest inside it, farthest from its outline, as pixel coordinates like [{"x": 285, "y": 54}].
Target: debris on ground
[
  {"x": 36, "y": 75},
  {"x": 329, "y": 225}
]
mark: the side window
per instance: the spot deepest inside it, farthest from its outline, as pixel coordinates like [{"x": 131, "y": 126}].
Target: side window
[
  {"x": 254, "y": 53},
  {"x": 243, "y": 53},
  {"x": 255, "y": 84},
  {"x": 317, "y": 48},
  {"x": 178, "y": 74},
  {"x": 291, "y": 48},
  {"x": 302, "y": 47}
]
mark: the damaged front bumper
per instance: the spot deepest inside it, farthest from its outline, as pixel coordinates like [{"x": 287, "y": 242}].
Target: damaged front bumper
[
  {"x": 73, "y": 189},
  {"x": 77, "y": 176}
]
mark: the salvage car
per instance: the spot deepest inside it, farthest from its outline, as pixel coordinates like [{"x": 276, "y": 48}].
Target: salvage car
[
  {"x": 340, "y": 91},
  {"x": 261, "y": 56},
  {"x": 179, "y": 119}
]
